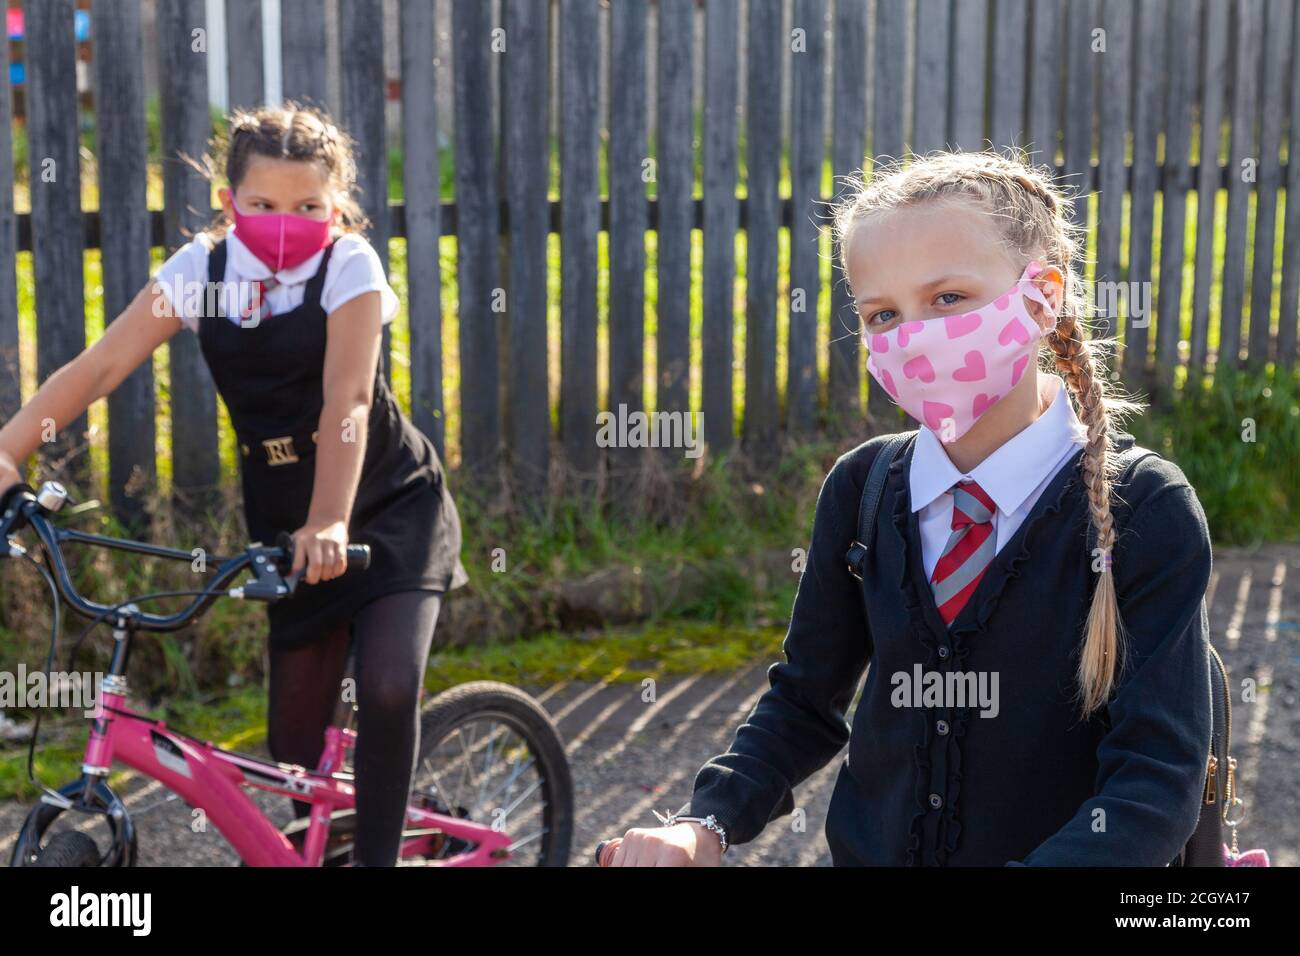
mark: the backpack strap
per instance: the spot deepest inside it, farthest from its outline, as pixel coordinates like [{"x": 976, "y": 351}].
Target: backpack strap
[
  {"x": 1129, "y": 457},
  {"x": 872, "y": 492}
]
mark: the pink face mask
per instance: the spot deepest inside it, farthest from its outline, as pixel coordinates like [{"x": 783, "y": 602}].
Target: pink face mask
[
  {"x": 948, "y": 372},
  {"x": 282, "y": 240}
]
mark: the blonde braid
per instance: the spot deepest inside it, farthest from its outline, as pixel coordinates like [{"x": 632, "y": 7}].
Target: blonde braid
[{"x": 1099, "y": 660}]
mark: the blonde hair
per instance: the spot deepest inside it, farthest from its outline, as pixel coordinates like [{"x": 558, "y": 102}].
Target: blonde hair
[{"x": 1033, "y": 217}]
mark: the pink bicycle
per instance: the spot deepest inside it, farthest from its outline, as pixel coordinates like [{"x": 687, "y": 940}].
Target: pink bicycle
[{"x": 492, "y": 784}]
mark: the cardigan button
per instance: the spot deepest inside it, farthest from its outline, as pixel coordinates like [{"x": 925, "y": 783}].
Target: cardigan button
[
  {"x": 943, "y": 652},
  {"x": 941, "y": 726},
  {"x": 936, "y": 801}
]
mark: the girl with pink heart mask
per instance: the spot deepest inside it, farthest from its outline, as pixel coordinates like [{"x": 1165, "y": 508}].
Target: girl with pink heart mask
[
  {"x": 952, "y": 334},
  {"x": 961, "y": 269}
]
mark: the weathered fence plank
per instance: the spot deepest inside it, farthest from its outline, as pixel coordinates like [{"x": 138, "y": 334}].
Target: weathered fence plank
[
  {"x": 1242, "y": 154},
  {"x": 1268, "y": 178},
  {"x": 1080, "y": 78},
  {"x": 579, "y": 222},
  {"x": 55, "y": 173},
  {"x": 302, "y": 47},
  {"x": 675, "y": 172},
  {"x": 721, "y": 218},
  {"x": 527, "y": 167},
  {"x": 887, "y": 139},
  {"x": 187, "y": 207},
  {"x": 1112, "y": 160},
  {"x": 933, "y": 63},
  {"x": 245, "y": 76},
  {"x": 627, "y": 218},
  {"x": 1183, "y": 31},
  {"x": 763, "y": 162},
  {"x": 1214, "y": 81},
  {"x": 1048, "y": 18},
  {"x": 422, "y": 210},
  {"x": 1148, "y": 119},
  {"x": 848, "y": 147},
  {"x": 124, "y": 215},
  {"x": 969, "y": 79},
  {"x": 1289, "y": 305},
  {"x": 1009, "y": 69},
  {"x": 362, "y": 23},
  {"x": 807, "y": 153},
  {"x": 477, "y": 226},
  {"x": 10, "y": 361}
]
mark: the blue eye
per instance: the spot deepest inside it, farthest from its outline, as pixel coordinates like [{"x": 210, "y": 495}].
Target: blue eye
[
  {"x": 956, "y": 297},
  {"x": 882, "y": 317}
]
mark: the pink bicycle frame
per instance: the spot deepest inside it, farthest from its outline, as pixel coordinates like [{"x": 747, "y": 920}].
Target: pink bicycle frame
[{"x": 211, "y": 779}]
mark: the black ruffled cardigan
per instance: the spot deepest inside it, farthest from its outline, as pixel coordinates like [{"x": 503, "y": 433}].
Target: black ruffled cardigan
[{"x": 1034, "y": 784}]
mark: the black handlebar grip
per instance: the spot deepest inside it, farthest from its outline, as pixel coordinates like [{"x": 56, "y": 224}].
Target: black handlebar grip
[{"x": 358, "y": 555}]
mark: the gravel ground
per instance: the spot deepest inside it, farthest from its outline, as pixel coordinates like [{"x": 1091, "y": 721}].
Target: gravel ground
[{"x": 629, "y": 757}]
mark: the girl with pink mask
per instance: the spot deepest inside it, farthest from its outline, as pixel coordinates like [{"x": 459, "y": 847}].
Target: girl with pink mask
[
  {"x": 1025, "y": 583},
  {"x": 289, "y": 306}
]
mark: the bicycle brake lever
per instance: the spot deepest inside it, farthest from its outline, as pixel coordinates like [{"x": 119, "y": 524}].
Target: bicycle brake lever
[{"x": 268, "y": 583}]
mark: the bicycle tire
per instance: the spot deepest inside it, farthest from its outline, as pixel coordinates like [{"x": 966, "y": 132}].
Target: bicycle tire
[
  {"x": 69, "y": 848},
  {"x": 484, "y": 699}
]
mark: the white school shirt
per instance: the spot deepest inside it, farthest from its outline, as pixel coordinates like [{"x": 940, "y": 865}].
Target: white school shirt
[
  {"x": 1014, "y": 476},
  {"x": 354, "y": 268}
]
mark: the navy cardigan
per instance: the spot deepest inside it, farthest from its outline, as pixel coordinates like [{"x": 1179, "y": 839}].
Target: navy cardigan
[{"x": 944, "y": 785}]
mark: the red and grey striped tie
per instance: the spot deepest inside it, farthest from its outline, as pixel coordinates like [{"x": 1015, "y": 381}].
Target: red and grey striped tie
[
  {"x": 257, "y": 301},
  {"x": 970, "y": 548}
]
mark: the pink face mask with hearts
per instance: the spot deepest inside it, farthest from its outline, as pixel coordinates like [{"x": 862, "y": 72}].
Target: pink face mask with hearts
[{"x": 947, "y": 372}]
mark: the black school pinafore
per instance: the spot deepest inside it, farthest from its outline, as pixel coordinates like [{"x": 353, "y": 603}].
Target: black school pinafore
[{"x": 270, "y": 377}]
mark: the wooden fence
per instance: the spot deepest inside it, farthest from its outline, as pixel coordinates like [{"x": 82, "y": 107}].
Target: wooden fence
[{"x": 1174, "y": 99}]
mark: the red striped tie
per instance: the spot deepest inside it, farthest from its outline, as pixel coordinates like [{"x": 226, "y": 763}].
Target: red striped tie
[
  {"x": 970, "y": 548},
  {"x": 257, "y": 301}
]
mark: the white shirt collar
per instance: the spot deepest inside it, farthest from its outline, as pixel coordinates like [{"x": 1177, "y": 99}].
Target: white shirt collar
[
  {"x": 248, "y": 266},
  {"x": 1012, "y": 472}
]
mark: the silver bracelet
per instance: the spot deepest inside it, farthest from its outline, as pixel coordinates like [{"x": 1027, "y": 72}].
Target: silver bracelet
[{"x": 709, "y": 823}]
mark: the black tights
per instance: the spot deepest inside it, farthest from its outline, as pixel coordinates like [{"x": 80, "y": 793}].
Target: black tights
[{"x": 392, "y": 636}]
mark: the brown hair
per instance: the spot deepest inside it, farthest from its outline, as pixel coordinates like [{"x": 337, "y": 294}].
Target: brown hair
[
  {"x": 292, "y": 131},
  {"x": 1033, "y": 217}
]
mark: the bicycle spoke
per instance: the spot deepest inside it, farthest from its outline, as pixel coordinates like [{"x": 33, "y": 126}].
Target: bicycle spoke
[
  {"x": 512, "y": 778},
  {"x": 523, "y": 796},
  {"x": 487, "y": 764},
  {"x": 528, "y": 839}
]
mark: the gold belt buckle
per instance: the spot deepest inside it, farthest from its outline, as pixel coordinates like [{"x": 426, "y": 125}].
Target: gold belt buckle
[{"x": 280, "y": 451}]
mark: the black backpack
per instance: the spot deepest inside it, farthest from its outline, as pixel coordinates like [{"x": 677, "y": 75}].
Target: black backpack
[{"x": 1205, "y": 847}]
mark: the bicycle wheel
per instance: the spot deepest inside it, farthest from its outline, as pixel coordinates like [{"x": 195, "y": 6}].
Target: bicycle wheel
[
  {"x": 48, "y": 837},
  {"x": 490, "y": 753}
]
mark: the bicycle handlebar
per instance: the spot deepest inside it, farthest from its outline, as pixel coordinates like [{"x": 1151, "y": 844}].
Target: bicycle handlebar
[{"x": 20, "y": 506}]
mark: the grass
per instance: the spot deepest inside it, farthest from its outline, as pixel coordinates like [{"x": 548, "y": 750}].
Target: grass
[{"x": 1237, "y": 439}]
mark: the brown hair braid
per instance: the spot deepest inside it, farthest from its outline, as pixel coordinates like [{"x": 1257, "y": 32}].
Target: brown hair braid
[{"x": 1033, "y": 219}]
